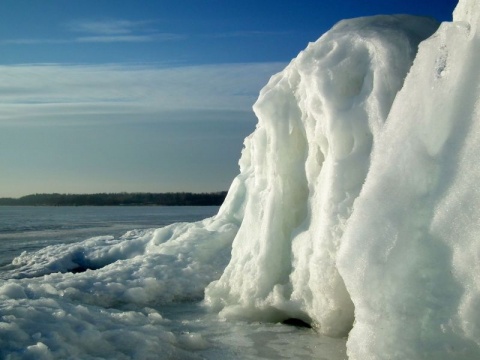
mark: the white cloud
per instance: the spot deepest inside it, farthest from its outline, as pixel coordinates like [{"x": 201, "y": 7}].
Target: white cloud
[
  {"x": 33, "y": 41},
  {"x": 130, "y": 38},
  {"x": 35, "y": 93},
  {"x": 119, "y": 30},
  {"x": 156, "y": 37},
  {"x": 104, "y": 31},
  {"x": 248, "y": 33},
  {"x": 108, "y": 26},
  {"x": 127, "y": 31}
]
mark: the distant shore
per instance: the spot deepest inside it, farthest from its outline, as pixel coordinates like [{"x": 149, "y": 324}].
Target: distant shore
[{"x": 119, "y": 199}]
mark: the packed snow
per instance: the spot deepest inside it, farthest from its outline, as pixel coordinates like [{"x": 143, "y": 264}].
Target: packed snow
[
  {"x": 410, "y": 254},
  {"x": 355, "y": 211},
  {"x": 304, "y": 166}
]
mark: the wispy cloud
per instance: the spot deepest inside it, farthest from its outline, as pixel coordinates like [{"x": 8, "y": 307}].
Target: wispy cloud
[
  {"x": 119, "y": 30},
  {"x": 33, "y": 41},
  {"x": 130, "y": 38},
  {"x": 127, "y": 31},
  {"x": 39, "y": 93},
  {"x": 249, "y": 33},
  {"x": 104, "y": 31},
  {"x": 108, "y": 26}
]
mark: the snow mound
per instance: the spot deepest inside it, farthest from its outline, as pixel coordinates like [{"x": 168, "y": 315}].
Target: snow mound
[
  {"x": 304, "y": 166},
  {"x": 361, "y": 208}
]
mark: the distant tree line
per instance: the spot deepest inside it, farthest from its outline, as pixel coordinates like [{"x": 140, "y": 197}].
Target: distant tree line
[{"x": 118, "y": 199}]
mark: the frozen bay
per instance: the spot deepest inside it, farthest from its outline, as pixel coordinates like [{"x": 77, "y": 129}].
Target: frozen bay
[{"x": 27, "y": 228}]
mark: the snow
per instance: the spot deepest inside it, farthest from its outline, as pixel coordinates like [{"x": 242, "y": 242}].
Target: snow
[
  {"x": 304, "y": 166},
  {"x": 410, "y": 252},
  {"x": 153, "y": 266},
  {"x": 355, "y": 210},
  {"x": 362, "y": 215},
  {"x": 100, "y": 298}
]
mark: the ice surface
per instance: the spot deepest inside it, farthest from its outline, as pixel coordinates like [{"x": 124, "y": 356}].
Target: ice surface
[{"x": 355, "y": 210}]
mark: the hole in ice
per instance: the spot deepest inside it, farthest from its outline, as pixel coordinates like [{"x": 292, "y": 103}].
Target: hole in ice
[
  {"x": 81, "y": 268},
  {"x": 83, "y": 264},
  {"x": 296, "y": 323}
]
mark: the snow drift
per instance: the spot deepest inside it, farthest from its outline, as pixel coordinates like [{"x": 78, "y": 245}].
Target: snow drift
[{"x": 355, "y": 210}]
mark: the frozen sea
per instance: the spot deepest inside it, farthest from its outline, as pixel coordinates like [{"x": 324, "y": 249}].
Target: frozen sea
[
  {"x": 29, "y": 228},
  {"x": 195, "y": 331}
]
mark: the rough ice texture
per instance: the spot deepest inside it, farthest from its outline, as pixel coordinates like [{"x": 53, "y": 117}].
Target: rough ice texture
[
  {"x": 100, "y": 298},
  {"x": 359, "y": 212},
  {"x": 467, "y": 11},
  {"x": 304, "y": 166},
  {"x": 410, "y": 254},
  {"x": 363, "y": 204}
]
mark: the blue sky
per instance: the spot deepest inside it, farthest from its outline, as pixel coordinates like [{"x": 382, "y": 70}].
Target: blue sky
[{"x": 147, "y": 95}]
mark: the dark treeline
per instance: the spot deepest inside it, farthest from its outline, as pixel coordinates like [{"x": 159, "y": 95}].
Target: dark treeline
[{"x": 115, "y": 199}]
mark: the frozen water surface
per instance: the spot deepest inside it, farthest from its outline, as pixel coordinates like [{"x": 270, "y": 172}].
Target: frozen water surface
[{"x": 215, "y": 338}]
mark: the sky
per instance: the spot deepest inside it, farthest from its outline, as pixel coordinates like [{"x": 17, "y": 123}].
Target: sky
[{"x": 147, "y": 95}]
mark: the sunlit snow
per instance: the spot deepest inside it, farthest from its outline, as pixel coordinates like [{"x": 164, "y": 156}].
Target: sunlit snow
[
  {"x": 305, "y": 165},
  {"x": 355, "y": 211}
]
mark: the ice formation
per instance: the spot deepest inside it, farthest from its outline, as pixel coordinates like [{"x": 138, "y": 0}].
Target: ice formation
[
  {"x": 362, "y": 205},
  {"x": 410, "y": 254},
  {"x": 355, "y": 210},
  {"x": 304, "y": 166}
]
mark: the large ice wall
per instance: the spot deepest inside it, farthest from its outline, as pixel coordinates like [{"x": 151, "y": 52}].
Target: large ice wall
[
  {"x": 361, "y": 205},
  {"x": 304, "y": 166}
]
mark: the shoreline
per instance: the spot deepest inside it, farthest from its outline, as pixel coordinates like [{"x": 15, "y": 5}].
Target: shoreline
[{"x": 119, "y": 199}]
